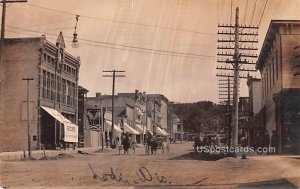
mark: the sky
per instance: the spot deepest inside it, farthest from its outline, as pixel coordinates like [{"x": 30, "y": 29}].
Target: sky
[{"x": 165, "y": 47}]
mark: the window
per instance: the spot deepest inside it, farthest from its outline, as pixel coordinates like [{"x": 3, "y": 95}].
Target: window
[
  {"x": 61, "y": 55},
  {"x": 277, "y": 67},
  {"x": 58, "y": 89},
  {"x": 74, "y": 94},
  {"x": 273, "y": 71},
  {"x": 263, "y": 86},
  {"x": 267, "y": 81},
  {"x": 68, "y": 92},
  {"x": 52, "y": 86},
  {"x": 270, "y": 76},
  {"x": 48, "y": 85},
  {"x": 52, "y": 61},
  {"x": 64, "y": 90},
  {"x": 45, "y": 57},
  {"x": 44, "y": 84}
]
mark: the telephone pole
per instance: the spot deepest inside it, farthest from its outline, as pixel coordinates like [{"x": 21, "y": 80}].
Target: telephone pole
[
  {"x": 113, "y": 76},
  {"x": 28, "y": 121},
  {"x": 236, "y": 63}
]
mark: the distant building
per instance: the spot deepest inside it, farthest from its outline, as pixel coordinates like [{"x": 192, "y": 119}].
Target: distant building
[
  {"x": 52, "y": 99},
  {"x": 244, "y": 115},
  {"x": 281, "y": 83},
  {"x": 82, "y": 114},
  {"x": 157, "y": 109},
  {"x": 256, "y": 121}
]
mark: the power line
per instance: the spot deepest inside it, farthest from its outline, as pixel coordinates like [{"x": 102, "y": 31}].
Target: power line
[
  {"x": 253, "y": 12},
  {"x": 245, "y": 12},
  {"x": 263, "y": 13},
  {"x": 121, "y": 21},
  {"x": 49, "y": 23},
  {"x": 126, "y": 49}
]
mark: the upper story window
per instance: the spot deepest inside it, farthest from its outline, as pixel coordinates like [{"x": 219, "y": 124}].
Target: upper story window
[
  {"x": 276, "y": 63},
  {"x": 49, "y": 59}
]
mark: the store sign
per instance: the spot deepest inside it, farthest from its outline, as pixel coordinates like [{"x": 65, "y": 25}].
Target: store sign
[{"x": 71, "y": 132}]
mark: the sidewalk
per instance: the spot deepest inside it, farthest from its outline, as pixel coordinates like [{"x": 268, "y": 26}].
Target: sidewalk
[{"x": 37, "y": 154}]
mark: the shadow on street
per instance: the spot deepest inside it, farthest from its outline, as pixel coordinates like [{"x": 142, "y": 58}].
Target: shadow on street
[{"x": 199, "y": 156}]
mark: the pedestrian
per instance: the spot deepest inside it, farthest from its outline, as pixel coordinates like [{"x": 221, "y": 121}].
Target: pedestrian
[
  {"x": 133, "y": 146},
  {"x": 274, "y": 141},
  {"x": 119, "y": 145},
  {"x": 154, "y": 144},
  {"x": 126, "y": 144}
]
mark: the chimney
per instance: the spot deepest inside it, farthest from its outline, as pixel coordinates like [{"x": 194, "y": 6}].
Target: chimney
[{"x": 98, "y": 95}]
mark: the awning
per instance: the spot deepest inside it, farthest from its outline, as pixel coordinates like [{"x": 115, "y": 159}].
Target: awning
[
  {"x": 166, "y": 132},
  {"x": 160, "y": 131},
  {"x": 70, "y": 129},
  {"x": 128, "y": 129},
  {"x": 141, "y": 129},
  {"x": 116, "y": 128},
  {"x": 54, "y": 113}
]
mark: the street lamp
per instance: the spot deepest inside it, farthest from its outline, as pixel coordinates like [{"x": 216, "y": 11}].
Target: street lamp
[{"x": 75, "y": 42}]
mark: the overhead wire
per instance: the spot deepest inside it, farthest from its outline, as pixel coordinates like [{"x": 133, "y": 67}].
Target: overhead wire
[
  {"x": 253, "y": 12},
  {"x": 263, "y": 13},
  {"x": 121, "y": 21},
  {"x": 127, "y": 47}
]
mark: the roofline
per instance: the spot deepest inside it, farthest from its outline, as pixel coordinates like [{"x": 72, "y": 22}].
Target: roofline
[{"x": 273, "y": 23}]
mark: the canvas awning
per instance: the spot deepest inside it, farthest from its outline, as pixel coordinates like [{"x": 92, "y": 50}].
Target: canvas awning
[
  {"x": 128, "y": 129},
  {"x": 160, "y": 131},
  {"x": 116, "y": 128},
  {"x": 70, "y": 129},
  {"x": 141, "y": 129}
]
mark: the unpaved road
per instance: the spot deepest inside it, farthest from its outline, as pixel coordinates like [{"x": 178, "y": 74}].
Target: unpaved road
[{"x": 178, "y": 169}]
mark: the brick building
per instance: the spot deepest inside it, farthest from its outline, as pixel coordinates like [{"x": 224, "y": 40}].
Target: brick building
[
  {"x": 280, "y": 84},
  {"x": 53, "y": 94}
]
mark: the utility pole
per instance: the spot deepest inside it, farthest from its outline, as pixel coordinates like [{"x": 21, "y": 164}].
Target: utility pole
[
  {"x": 228, "y": 115},
  {"x": 113, "y": 137},
  {"x": 236, "y": 62},
  {"x": 154, "y": 102},
  {"x": 28, "y": 121},
  {"x": 181, "y": 129},
  {"x": 236, "y": 58},
  {"x": 2, "y": 73}
]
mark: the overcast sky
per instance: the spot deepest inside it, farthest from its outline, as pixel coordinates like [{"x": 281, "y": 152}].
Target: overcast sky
[{"x": 119, "y": 34}]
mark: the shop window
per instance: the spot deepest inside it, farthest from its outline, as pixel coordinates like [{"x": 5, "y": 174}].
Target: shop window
[{"x": 44, "y": 83}]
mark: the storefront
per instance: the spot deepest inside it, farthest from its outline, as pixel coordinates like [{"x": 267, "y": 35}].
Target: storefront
[
  {"x": 288, "y": 121},
  {"x": 57, "y": 130},
  {"x": 108, "y": 134},
  {"x": 161, "y": 132},
  {"x": 142, "y": 131}
]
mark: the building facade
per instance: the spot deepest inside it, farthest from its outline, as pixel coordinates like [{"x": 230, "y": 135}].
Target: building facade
[
  {"x": 53, "y": 112},
  {"x": 280, "y": 85}
]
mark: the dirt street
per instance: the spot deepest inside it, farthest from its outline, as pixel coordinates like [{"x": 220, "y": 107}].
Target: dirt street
[{"x": 178, "y": 169}]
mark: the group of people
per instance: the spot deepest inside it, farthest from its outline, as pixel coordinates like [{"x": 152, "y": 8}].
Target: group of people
[
  {"x": 125, "y": 144},
  {"x": 206, "y": 140},
  {"x": 152, "y": 144}
]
